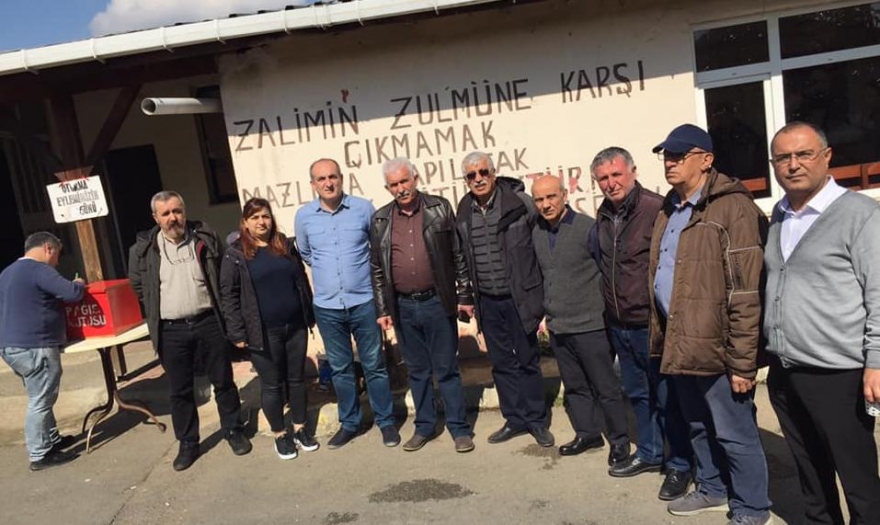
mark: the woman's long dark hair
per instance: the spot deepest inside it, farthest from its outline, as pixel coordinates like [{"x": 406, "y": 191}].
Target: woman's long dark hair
[{"x": 277, "y": 241}]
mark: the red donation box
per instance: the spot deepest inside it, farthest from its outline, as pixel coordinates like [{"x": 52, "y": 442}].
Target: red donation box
[{"x": 107, "y": 308}]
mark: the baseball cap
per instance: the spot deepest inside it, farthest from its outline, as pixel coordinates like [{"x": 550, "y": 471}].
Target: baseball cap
[{"x": 683, "y": 138}]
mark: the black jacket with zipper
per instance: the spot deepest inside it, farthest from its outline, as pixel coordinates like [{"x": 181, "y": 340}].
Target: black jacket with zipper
[
  {"x": 448, "y": 266},
  {"x": 518, "y": 217},
  {"x": 143, "y": 271},
  {"x": 238, "y": 298}
]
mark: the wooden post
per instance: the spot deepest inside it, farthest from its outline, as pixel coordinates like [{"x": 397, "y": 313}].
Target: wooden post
[
  {"x": 70, "y": 147},
  {"x": 85, "y": 231}
]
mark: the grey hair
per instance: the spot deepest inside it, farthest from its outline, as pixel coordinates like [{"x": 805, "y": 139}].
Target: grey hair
[
  {"x": 397, "y": 163},
  {"x": 475, "y": 157},
  {"x": 791, "y": 126},
  {"x": 312, "y": 167},
  {"x": 165, "y": 196},
  {"x": 40, "y": 239},
  {"x": 608, "y": 155}
]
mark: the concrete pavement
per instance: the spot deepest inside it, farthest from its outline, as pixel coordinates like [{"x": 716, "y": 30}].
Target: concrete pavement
[{"x": 128, "y": 477}]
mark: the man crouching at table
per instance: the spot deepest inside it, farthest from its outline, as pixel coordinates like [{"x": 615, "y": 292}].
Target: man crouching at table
[
  {"x": 32, "y": 332},
  {"x": 174, "y": 270}
]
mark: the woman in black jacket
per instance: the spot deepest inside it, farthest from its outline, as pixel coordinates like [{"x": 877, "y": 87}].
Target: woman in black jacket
[{"x": 267, "y": 303}]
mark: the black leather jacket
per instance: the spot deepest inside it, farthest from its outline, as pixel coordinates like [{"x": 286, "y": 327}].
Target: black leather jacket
[
  {"x": 143, "y": 270},
  {"x": 444, "y": 250},
  {"x": 238, "y": 300},
  {"x": 518, "y": 217}
]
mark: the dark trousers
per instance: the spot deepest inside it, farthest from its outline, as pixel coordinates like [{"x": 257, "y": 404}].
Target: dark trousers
[
  {"x": 283, "y": 363},
  {"x": 727, "y": 447},
  {"x": 591, "y": 386},
  {"x": 181, "y": 346},
  {"x": 653, "y": 400},
  {"x": 430, "y": 346},
  {"x": 823, "y": 419},
  {"x": 516, "y": 363}
]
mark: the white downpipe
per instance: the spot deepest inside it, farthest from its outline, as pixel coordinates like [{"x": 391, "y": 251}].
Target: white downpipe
[
  {"x": 170, "y": 37},
  {"x": 180, "y": 106}
]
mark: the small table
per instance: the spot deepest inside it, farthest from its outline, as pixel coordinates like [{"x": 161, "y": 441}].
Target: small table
[{"x": 104, "y": 346}]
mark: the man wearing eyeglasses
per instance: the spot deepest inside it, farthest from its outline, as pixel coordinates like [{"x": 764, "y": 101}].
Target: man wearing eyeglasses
[
  {"x": 495, "y": 221},
  {"x": 821, "y": 322},
  {"x": 705, "y": 272},
  {"x": 333, "y": 236},
  {"x": 174, "y": 270}
]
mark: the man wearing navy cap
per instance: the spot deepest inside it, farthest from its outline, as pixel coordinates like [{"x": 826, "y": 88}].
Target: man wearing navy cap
[{"x": 705, "y": 276}]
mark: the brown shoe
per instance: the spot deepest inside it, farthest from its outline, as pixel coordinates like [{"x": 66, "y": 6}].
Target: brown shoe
[
  {"x": 416, "y": 442},
  {"x": 464, "y": 444}
]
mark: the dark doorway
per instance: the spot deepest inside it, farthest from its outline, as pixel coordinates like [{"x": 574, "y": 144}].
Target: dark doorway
[
  {"x": 13, "y": 237},
  {"x": 132, "y": 176}
]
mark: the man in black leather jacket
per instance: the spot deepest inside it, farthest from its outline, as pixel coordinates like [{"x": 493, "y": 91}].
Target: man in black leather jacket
[
  {"x": 420, "y": 281},
  {"x": 495, "y": 222}
]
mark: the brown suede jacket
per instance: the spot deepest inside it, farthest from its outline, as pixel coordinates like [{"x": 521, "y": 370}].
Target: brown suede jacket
[{"x": 714, "y": 318}]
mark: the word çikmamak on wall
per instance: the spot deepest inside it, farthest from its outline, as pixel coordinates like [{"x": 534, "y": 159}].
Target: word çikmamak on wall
[{"x": 434, "y": 130}]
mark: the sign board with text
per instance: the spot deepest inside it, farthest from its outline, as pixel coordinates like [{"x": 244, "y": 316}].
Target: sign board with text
[{"x": 78, "y": 199}]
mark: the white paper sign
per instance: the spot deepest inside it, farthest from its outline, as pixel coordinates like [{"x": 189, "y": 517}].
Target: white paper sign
[{"x": 77, "y": 199}]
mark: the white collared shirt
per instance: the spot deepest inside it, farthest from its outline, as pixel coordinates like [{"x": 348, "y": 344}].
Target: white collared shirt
[{"x": 796, "y": 223}]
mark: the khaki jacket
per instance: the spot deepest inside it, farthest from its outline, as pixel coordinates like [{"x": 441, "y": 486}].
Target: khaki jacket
[{"x": 714, "y": 318}]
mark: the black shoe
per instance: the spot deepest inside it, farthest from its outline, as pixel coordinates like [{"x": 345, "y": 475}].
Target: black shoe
[
  {"x": 238, "y": 442},
  {"x": 579, "y": 444},
  {"x": 305, "y": 441},
  {"x": 632, "y": 467},
  {"x": 543, "y": 436},
  {"x": 64, "y": 442},
  {"x": 503, "y": 434},
  {"x": 675, "y": 485},
  {"x": 340, "y": 438},
  {"x": 285, "y": 447},
  {"x": 390, "y": 436},
  {"x": 618, "y": 454},
  {"x": 186, "y": 456},
  {"x": 52, "y": 459}
]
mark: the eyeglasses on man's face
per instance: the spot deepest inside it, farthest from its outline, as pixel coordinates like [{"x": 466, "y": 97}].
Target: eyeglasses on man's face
[
  {"x": 484, "y": 172},
  {"x": 802, "y": 156},
  {"x": 677, "y": 158}
]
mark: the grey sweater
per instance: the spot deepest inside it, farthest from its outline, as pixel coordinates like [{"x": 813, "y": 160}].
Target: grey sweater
[
  {"x": 572, "y": 284},
  {"x": 823, "y": 305}
]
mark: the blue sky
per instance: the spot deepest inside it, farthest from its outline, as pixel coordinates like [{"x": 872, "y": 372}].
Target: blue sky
[{"x": 33, "y": 23}]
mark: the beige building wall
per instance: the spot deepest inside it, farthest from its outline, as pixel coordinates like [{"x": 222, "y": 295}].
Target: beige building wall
[{"x": 542, "y": 87}]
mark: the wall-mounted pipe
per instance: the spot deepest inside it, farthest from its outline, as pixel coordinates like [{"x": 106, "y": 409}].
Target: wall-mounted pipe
[{"x": 180, "y": 106}]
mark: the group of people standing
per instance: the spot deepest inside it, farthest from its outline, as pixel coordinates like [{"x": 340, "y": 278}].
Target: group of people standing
[{"x": 687, "y": 290}]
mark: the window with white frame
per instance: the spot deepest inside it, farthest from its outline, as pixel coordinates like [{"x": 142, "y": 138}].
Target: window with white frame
[{"x": 819, "y": 66}]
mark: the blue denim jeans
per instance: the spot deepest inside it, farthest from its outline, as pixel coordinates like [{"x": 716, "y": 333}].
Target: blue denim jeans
[
  {"x": 653, "y": 400},
  {"x": 727, "y": 447},
  {"x": 40, "y": 371},
  {"x": 337, "y": 327},
  {"x": 429, "y": 340}
]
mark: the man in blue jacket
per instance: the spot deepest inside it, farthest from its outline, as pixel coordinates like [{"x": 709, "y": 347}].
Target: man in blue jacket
[{"x": 32, "y": 331}]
